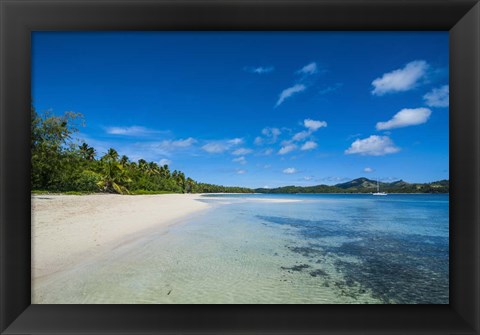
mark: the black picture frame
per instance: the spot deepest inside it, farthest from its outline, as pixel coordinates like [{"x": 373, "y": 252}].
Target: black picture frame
[{"x": 20, "y": 17}]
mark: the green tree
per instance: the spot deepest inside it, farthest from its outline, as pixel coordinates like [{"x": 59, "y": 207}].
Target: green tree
[
  {"x": 88, "y": 153},
  {"x": 54, "y": 161},
  {"x": 113, "y": 174}
]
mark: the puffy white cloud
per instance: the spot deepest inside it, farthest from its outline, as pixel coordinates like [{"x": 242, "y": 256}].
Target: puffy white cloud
[
  {"x": 309, "y": 145},
  {"x": 167, "y": 146},
  {"x": 290, "y": 170},
  {"x": 286, "y": 149},
  {"x": 300, "y": 136},
  {"x": 271, "y": 135},
  {"x": 241, "y": 151},
  {"x": 218, "y": 147},
  {"x": 437, "y": 97},
  {"x": 241, "y": 171},
  {"x": 400, "y": 80},
  {"x": 215, "y": 148},
  {"x": 406, "y": 117},
  {"x": 373, "y": 146},
  {"x": 271, "y": 132},
  {"x": 235, "y": 141},
  {"x": 180, "y": 143},
  {"x": 309, "y": 69},
  {"x": 314, "y": 125},
  {"x": 368, "y": 170},
  {"x": 240, "y": 160},
  {"x": 288, "y": 92}
]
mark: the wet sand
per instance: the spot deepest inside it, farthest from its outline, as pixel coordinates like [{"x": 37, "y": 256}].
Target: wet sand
[{"x": 68, "y": 229}]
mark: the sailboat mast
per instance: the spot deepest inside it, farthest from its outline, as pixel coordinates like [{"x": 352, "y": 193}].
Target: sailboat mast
[{"x": 378, "y": 187}]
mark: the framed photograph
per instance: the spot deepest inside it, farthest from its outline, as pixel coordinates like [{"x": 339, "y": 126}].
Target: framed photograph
[{"x": 229, "y": 167}]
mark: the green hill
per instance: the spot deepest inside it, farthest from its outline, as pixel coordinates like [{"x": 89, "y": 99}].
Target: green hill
[{"x": 364, "y": 185}]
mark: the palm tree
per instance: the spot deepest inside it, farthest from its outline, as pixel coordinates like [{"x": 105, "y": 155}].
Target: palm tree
[
  {"x": 124, "y": 160},
  {"x": 87, "y": 152},
  {"x": 142, "y": 165},
  {"x": 165, "y": 171},
  {"x": 180, "y": 179},
  {"x": 153, "y": 169},
  {"x": 113, "y": 174},
  {"x": 112, "y": 154},
  {"x": 190, "y": 185}
]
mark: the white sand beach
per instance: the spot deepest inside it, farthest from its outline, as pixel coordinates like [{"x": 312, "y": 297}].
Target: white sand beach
[{"x": 67, "y": 229}]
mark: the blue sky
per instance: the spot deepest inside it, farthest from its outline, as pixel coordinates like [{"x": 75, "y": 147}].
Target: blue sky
[{"x": 256, "y": 109}]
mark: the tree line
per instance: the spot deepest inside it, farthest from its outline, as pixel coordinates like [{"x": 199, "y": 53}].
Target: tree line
[
  {"x": 60, "y": 164},
  {"x": 441, "y": 186}
]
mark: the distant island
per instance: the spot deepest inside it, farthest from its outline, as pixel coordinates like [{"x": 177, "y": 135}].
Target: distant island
[{"x": 363, "y": 185}]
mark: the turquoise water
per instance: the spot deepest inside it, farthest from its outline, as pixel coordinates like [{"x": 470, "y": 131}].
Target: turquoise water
[{"x": 335, "y": 248}]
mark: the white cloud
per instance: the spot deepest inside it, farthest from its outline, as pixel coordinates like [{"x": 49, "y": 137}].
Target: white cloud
[
  {"x": 260, "y": 69},
  {"x": 240, "y": 160},
  {"x": 131, "y": 131},
  {"x": 286, "y": 149},
  {"x": 438, "y": 97},
  {"x": 368, "y": 170},
  {"x": 301, "y": 135},
  {"x": 164, "y": 161},
  {"x": 184, "y": 143},
  {"x": 309, "y": 69},
  {"x": 215, "y": 148},
  {"x": 271, "y": 132},
  {"x": 268, "y": 151},
  {"x": 290, "y": 170},
  {"x": 241, "y": 171},
  {"x": 400, "y": 80},
  {"x": 235, "y": 141},
  {"x": 406, "y": 117},
  {"x": 271, "y": 135},
  {"x": 309, "y": 145},
  {"x": 167, "y": 146},
  {"x": 373, "y": 146},
  {"x": 241, "y": 151},
  {"x": 314, "y": 125},
  {"x": 288, "y": 92},
  {"x": 218, "y": 147}
]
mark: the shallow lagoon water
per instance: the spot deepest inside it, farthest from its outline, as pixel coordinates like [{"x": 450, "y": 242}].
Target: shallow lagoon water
[{"x": 331, "y": 248}]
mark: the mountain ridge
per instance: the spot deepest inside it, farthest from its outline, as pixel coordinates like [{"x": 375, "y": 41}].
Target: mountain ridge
[{"x": 364, "y": 185}]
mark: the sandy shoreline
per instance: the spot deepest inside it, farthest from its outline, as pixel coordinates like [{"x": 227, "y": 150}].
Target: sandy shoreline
[{"x": 67, "y": 229}]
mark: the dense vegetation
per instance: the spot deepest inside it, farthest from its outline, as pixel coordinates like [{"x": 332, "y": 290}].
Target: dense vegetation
[
  {"x": 61, "y": 165},
  {"x": 364, "y": 185}
]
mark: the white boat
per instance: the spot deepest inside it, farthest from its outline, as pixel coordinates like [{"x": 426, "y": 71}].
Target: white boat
[{"x": 378, "y": 190}]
